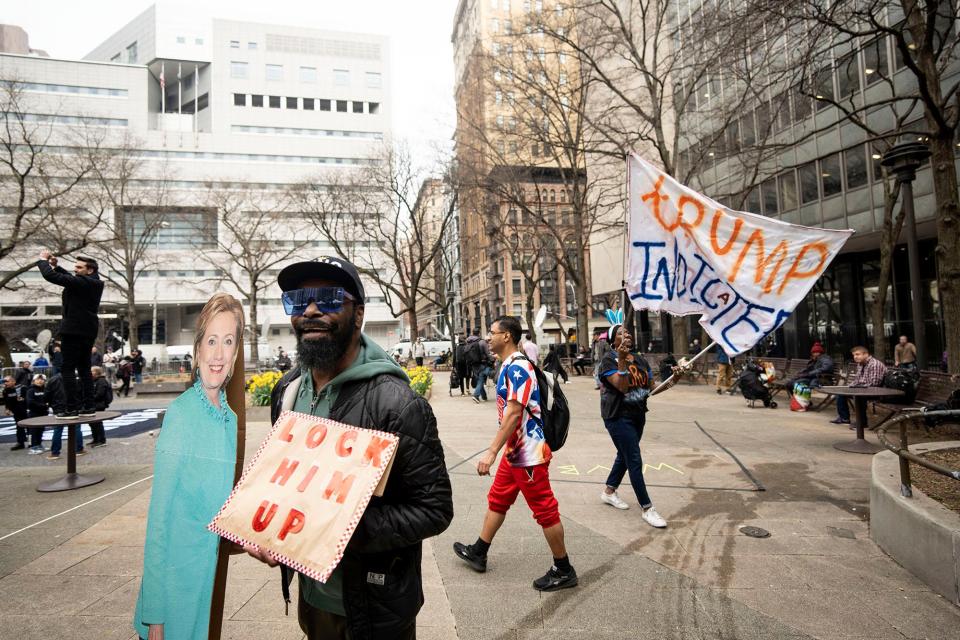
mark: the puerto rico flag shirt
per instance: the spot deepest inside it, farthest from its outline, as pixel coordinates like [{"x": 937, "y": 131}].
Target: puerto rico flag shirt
[{"x": 526, "y": 446}]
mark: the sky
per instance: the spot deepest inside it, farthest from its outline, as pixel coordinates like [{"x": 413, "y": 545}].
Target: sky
[{"x": 421, "y": 56}]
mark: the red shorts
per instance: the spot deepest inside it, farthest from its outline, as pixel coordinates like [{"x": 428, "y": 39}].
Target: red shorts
[{"x": 533, "y": 483}]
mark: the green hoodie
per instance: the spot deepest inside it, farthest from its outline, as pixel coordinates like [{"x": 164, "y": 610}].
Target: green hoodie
[{"x": 371, "y": 361}]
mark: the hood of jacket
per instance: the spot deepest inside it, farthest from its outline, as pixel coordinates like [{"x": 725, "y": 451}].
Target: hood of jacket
[{"x": 371, "y": 361}]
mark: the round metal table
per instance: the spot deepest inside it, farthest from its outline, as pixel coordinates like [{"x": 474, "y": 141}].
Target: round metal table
[
  {"x": 860, "y": 397},
  {"x": 72, "y": 480}
]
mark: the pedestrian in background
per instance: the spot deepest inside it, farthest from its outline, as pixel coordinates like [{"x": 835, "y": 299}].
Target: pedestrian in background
[
  {"x": 15, "y": 404},
  {"x": 102, "y": 397},
  {"x": 37, "y": 407},
  {"x": 57, "y": 397},
  {"x": 724, "y": 370}
]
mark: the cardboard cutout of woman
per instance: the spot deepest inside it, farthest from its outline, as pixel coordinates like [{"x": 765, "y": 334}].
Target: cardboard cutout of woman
[{"x": 193, "y": 475}]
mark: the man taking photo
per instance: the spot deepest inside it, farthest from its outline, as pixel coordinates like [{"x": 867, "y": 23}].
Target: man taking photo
[
  {"x": 376, "y": 590},
  {"x": 79, "y": 326}
]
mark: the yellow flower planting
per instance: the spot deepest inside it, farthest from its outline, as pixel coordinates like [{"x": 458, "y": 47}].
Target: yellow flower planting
[
  {"x": 261, "y": 385},
  {"x": 421, "y": 379}
]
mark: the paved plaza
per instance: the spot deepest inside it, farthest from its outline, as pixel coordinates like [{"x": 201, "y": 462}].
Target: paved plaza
[{"x": 818, "y": 575}]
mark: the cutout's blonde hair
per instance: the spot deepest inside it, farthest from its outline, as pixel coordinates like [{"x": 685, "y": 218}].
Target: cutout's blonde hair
[{"x": 219, "y": 303}]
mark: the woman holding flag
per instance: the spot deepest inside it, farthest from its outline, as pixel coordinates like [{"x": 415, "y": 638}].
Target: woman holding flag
[{"x": 626, "y": 384}]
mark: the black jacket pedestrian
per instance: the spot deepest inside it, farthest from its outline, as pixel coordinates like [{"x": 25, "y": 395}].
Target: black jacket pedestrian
[
  {"x": 417, "y": 503},
  {"x": 37, "y": 402},
  {"x": 56, "y": 395},
  {"x": 138, "y": 363},
  {"x": 15, "y": 402},
  {"x": 102, "y": 393},
  {"x": 80, "y": 299},
  {"x": 23, "y": 377}
]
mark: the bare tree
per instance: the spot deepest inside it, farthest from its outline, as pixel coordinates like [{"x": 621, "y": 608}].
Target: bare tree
[
  {"x": 40, "y": 201},
  {"x": 248, "y": 247},
  {"x": 653, "y": 89},
  {"x": 130, "y": 197},
  {"x": 926, "y": 46},
  {"x": 534, "y": 144},
  {"x": 369, "y": 217}
]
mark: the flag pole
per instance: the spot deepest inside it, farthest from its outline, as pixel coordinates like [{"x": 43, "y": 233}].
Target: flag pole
[{"x": 681, "y": 368}]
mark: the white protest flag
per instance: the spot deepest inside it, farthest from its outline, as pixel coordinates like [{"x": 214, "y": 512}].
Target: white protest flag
[{"x": 745, "y": 273}]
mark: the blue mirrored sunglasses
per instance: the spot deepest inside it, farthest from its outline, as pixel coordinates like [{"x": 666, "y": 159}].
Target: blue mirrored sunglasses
[{"x": 327, "y": 299}]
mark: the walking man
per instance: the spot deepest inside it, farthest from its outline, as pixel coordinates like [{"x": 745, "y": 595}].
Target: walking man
[
  {"x": 419, "y": 351},
  {"x": 376, "y": 591},
  {"x": 905, "y": 353},
  {"x": 524, "y": 465},
  {"x": 78, "y": 329},
  {"x": 724, "y": 370}
]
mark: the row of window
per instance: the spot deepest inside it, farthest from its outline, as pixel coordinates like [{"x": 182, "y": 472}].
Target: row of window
[
  {"x": 307, "y": 104},
  {"x": 528, "y": 29},
  {"x": 534, "y": 6},
  {"x": 541, "y": 77},
  {"x": 307, "y": 75},
  {"x": 189, "y": 273},
  {"x": 48, "y": 118},
  {"x": 498, "y": 48},
  {"x": 300, "y": 131},
  {"x": 72, "y": 89},
  {"x": 238, "y": 157},
  {"x": 537, "y": 149},
  {"x": 818, "y": 179}
]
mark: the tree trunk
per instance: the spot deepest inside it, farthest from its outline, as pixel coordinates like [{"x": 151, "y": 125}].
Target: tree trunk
[
  {"x": 414, "y": 330},
  {"x": 944, "y": 170},
  {"x": 889, "y": 233},
  {"x": 133, "y": 322},
  {"x": 583, "y": 312},
  {"x": 254, "y": 327}
]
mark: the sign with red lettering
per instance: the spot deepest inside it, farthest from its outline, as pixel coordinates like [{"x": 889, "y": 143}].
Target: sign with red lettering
[
  {"x": 743, "y": 272},
  {"x": 305, "y": 490}
]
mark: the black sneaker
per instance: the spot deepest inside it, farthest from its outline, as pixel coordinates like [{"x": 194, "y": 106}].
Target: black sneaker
[
  {"x": 554, "y": 580},
  {"x": 94, "y": 445},
  {"x": 466, "y": 553},
  {"x": 87, "y": 413},
  {"x": 67, "y": 415},
  {"x": 18, "y": 447}
]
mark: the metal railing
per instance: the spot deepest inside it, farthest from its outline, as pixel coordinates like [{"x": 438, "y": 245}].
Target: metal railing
[{"x": 903, "y": 451}]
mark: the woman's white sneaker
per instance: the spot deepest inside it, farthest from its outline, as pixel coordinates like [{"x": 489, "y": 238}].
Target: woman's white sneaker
[
  {"x": 654, "y": 519},
  {"x": 613, "y": 500}
]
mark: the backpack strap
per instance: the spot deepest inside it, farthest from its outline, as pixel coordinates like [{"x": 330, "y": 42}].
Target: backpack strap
[{"x": 526, "y": 407}]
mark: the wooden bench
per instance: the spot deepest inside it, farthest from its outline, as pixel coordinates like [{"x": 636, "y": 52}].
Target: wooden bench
[{"x": 934, "y": 388}]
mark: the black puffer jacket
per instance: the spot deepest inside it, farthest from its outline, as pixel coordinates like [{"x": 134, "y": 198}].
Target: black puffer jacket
[
  {"x": 81, "y": 299},
  {"x": 417, "y": 503}
]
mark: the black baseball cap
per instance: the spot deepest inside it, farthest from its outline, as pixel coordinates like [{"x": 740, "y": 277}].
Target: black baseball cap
[{"x": 332, "y": 268}]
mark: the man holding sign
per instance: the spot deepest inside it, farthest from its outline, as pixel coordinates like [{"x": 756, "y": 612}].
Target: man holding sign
[{"x": 375, "y": 591}]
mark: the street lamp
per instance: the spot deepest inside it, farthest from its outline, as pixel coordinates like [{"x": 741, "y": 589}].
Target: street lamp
[{"x": 904, "y": 160}]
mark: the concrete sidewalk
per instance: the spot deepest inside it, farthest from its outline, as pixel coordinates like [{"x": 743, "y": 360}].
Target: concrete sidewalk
[{"x": 818, "y": 575}]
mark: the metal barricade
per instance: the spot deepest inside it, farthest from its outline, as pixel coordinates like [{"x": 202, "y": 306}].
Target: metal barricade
[{"x": 903, "y": 451}]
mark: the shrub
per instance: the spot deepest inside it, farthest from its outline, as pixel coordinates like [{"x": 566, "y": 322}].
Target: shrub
[
  {"x": 260, "y": 386},
  {"x": 421, "y": 379}
]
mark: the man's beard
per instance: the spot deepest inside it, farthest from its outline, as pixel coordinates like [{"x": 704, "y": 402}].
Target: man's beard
[{"x": 322, "y": 354}]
